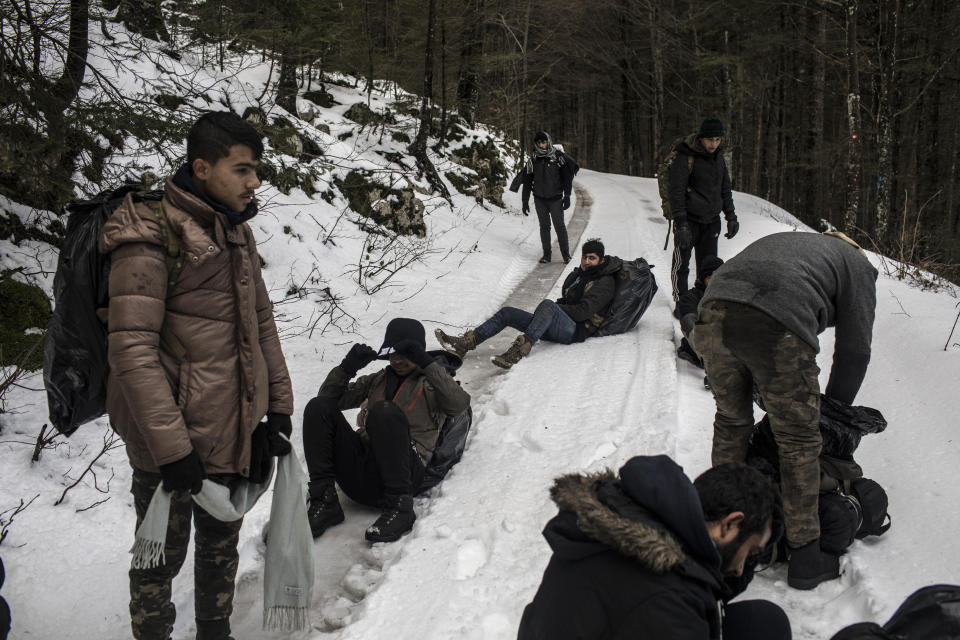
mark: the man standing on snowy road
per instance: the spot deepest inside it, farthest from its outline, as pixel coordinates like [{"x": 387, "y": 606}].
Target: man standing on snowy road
[
  {"x": 548, "y": 174},
  {"x": 648, "y": 554},
  {"x": 758, "y": 326},
  {"x": 195, "y": 364}
]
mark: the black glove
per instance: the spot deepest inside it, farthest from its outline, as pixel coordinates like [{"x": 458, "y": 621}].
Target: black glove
[
  {"x": 732, "y": 227},
  {"x": 525, "y": 207},
  {"x": 414, "y": 352},
  {"x": 278, "y": 423},
  {"x": 185, "y": 474},
  {"x": 259, "y": 454},
  {"x": 359, "y": 356},
  {"x": 565, "y": 203},
  {"x": 683, "y": 234}
]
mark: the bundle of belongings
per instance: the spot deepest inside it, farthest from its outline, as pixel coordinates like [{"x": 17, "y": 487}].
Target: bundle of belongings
[{"x": 851, "y": 506}]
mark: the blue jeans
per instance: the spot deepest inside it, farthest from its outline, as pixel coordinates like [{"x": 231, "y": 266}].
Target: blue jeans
[{"x": 548, "y": 321}]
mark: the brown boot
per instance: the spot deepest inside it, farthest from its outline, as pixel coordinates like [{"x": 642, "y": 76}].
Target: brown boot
[
  {"x": 458, "y": 344},
  {"x": 520, "y": 347}
]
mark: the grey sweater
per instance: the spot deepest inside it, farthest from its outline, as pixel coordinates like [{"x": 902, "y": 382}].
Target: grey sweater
[{"x": 808, "y": 282}]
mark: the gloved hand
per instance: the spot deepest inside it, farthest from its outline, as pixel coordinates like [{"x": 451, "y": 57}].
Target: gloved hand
[
  {"x": 733, "y": 225},
  {"x": 359, "y": 356},
  {"x": 565, "y": 203},
  {"x": 185, "y": 474},
  {"x": 683, "y": 234},
  {"x": 525, "y": 207},
  {"x": 259, "y": 454},
  {"x": 414, "y": 352},
  {"x": 278, "y": 423}
]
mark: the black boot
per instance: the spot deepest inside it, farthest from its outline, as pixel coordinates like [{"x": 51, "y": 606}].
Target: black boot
[
  {"x": 214, "y": 629},
  {"x": 686, "y": 352},
  {"x": 396, "y": 520},
  {"x": 324, "y": 510},
  {"x": 545, "y": 259},
  {"x": 810, "y": 565}
]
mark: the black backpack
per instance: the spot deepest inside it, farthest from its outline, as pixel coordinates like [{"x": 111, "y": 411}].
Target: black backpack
[
  {"x": 75, "y": 367},
  {"x": 663, "y": 176},
  {"x": 929, "y": 613},
  {"x": 635, "y": 287},
  {"x": 452, "y": 439}
]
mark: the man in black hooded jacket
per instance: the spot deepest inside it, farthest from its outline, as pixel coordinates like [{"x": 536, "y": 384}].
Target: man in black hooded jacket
[
  {"x": 646, "y": 554},
  {"x": 548, "y": 174}
]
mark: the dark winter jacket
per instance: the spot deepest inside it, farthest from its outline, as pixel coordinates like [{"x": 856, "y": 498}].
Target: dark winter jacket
[
  {"x": 701, "y": 193},
  {"x": 232, "y": 371},
  {"x": 549, "y": 178},
  {"x": 808, "y": 282},
  {"x": 427, "y": 396},
  {"x": 632, "y": 560},
  {"x": 586, "y": 296}
]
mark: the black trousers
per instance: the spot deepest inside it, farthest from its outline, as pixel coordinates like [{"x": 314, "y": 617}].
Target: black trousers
[
  {"x": 755, "y": 620},
  {"x": 705, "y": 238},
  {"x": 384, "y": 463},
  {"x": 548, "y": 210}
]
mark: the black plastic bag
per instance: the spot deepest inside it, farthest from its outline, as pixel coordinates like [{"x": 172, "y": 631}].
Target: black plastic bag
[{"x": 635, "y": 288}]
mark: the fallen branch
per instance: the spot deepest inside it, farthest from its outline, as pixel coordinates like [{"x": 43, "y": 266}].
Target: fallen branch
[
  {"x": 5, "y": 524},
  {"x": 947, "y": 344},
  {"x": 110, "y": 441}
]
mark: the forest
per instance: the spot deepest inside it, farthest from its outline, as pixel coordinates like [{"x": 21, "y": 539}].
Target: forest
[{"x": 837, "y": 110}]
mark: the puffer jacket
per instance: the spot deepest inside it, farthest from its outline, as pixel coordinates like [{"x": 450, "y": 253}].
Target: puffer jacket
[
  {"x": 701, "y": 193},
  {"x": 622, "y": 570},
  {"x": 587, "y": 296},
  {"x": 232, "y": 371},
  {"x": 427, "y": 396}
]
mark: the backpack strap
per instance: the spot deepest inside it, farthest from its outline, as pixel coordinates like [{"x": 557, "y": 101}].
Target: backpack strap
[{"x": 173, "y": 257}]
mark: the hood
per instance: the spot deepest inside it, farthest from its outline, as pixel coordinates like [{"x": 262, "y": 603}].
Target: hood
[
  {"x": 596, "y": 516},
  {"x": 692, "y": 145}
]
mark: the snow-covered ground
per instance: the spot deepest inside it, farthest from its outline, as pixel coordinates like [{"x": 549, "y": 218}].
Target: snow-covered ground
[{"x": 475, "y": 556}]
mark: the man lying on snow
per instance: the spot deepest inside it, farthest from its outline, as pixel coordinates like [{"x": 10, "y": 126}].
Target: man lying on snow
[
  {"x": 403, "y": 407},
  {"x": 647, "y": 554},
  {"x": 574, "y": 317}
]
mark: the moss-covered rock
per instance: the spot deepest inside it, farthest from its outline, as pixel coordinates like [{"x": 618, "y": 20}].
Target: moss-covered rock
[
  {"x": 364, "y": 115},
  {"x": 491, "y": 172},
  {"x": 24, "y": 314},
  {"x": 170, "y": 101},
  {"x": 396, "y": 209},
  {"x": 286, "y": 178},
  {"x": 400, "y": 136},
  {"x": 320, "y": 97}
]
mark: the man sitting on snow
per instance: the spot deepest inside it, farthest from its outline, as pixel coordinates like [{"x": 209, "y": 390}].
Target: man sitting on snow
[
  {"x": 404, "y": 406},
  {"x": 574, "y": 317},
  {"x": 647, "y": 555}
]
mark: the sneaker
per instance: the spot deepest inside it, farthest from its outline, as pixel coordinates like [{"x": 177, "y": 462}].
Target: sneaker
[
  {"x": 324, "y": 511},
  {"x": 396, "y": 520},
  {"x": 520, "y": 347},
  {"x": 457, "y": 344},
  {"x": 686, "y": 352},
  {"x": 566, "y": 259},
  {"x": 810, "y": 565},
  {"x": 544, "y": 259}
]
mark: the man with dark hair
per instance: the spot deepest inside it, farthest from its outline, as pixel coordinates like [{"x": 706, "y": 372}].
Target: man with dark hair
[
  {"x": 647, "y": 554},
  {"x": 403, "y": 407},
  {"x": 548, "y": 174},
  {"x": 757, "y": 329},
  {"x": 699, "y": 191},
  {"x": 574, "y": 317},
  {"x": 195, "y": 364}
]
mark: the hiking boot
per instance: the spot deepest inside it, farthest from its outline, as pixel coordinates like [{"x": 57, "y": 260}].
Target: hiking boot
[
  {"x": 324, "y": 511},
  {"x": 566, "y": 258},
  {"x": 810, "y": 565},
  {"x": 396, "y": 520},
  {"x": 545, "y": 259},
  {"x": 520, "y": 347},
  {"x": 458, "y": 344},
  {"x": 686, "y": 352}
]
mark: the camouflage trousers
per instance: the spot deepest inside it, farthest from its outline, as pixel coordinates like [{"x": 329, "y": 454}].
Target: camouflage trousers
[
  {"x": 152, "y": 613},
  {"x": 742, "y": 347}
]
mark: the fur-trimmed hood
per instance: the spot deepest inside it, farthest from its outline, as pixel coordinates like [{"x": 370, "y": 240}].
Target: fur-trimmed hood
[{"x": 651, "y": 513}]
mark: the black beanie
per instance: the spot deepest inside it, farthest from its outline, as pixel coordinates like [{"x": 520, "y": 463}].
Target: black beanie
[
  {"x": 593, "y": 245},
  {"x": 402, "y": 329},
  {"x": 711, "y": 128},
  {"x": 541, "y": 135}
]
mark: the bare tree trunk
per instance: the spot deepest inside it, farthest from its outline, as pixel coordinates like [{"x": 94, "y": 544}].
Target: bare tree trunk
[
  {"x": 854, "y": 160},
  {"x": 140, "y": 16},
  {"x": 468, "y": 77},
  {"x": 656, "y": 49},
  {"x": 887, "y": 55},
  {"x": 68, "y": 85},
  {"x": 419, "y": 147},
  {"x": 819, "y": 184},
  {"x": 443, "y": 80},
  {"x": 287, "y": 85}
]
